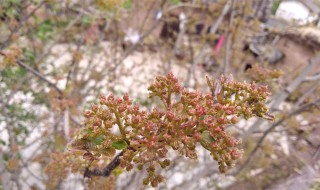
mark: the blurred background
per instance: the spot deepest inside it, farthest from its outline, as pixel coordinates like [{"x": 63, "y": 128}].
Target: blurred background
[{"x": 57, "y": 56}]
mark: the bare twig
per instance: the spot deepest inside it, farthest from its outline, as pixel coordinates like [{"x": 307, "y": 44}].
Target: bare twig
[
  {"x": 228, "y": 46},
  {"x": 314, "y": 77},
  {"x": 40, "y": 76}
]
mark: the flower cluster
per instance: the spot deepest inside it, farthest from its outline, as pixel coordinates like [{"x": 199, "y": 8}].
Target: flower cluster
[{"x": 192, "y": 119}]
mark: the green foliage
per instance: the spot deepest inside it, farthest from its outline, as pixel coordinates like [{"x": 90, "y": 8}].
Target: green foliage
[
  {"x": 13, "y": 73},
  {"x": 3, "y": 142},
  {"x": 275, "y": 6},
  {"x": 5, "y": 157},
  {"x": 175, "y": 1},
  {"x": 127, "y": 4},
  {"x": 98, "y": 140},
  {"x": 29, "y": 56},
  {"x": 117, "y": 171},
  {"x": 45, "y": 30},
  {"x": 87, "y": 20},
  {"x": 120, "y": 145}
]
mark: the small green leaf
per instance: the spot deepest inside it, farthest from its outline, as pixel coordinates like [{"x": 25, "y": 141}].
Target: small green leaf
[
  {"x": 2, "y": 142},
  {"x": 87, "y": 20},
  {"x": 5, "y": 157},
  {"x": 175, "y": 1},
  {"x": 88, "y": 131},
  {"x": 120, "y": 145},
  {"x": 207, "y": 137},
  {"x": 98, "y": 140},
  {"x": 117, "y": 171}
]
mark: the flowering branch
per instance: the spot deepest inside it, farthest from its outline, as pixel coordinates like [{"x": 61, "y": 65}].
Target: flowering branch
[{"x": 194, "y": 119}]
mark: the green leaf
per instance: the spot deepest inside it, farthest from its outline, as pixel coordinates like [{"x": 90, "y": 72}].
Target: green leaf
[
  {"x": 87, "y": 20},
  {"x": 89, "y": 131},
  {"x": 207, "y": 137},
  {"x": 117, "y": 171},
  {"x": 120, "y": 145},
  {"x": 175, "y": 1},
  {"x": 5, "y": 157},
  {"x": 2, "y": 142},
  {"x": 45, "y": 30},
  {"x": 98, "y": 140}
]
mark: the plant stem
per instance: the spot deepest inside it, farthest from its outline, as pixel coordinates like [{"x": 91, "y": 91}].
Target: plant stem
[{"x": 105, "y": 172}]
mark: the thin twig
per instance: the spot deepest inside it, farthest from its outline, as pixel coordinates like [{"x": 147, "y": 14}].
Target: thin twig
[
  {"x": 213, "y": 29},
  {"x": 40, "y": 76},
  {"x": 37, "y": 74},
  {"x": 228, "y": 46}
]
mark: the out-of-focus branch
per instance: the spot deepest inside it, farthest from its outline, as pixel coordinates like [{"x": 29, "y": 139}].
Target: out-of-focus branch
[
  {"x": 21, "y": 24},
  {"x": 229, "y": 34},
  {"x": 314, "y": 77},
  {"x": 279, "y": 98},
  {"x": 306, "y": 94},
  {"x": 37, "y": 74},
  {"x": 273, "y": 126},
  {"x": 40, "y": 76},
  {"x": 213, "y": 29}
]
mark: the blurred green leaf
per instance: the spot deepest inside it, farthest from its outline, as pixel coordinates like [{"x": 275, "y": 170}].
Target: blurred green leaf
[
  {"x": 120, "y": 145},
  {"x": 98, "y": 140},
  {"x": 117, "y": 171},
  {"x": 45, "y": 30},
  {"x": 2, "y": 142},
  {"x": 175, "y": 1},
  {"x": 5, "y": 157},
  {"x": 86, "y": 20},
  {"x": 127, "y": 4},
  {"x": 207, "y": 137}
]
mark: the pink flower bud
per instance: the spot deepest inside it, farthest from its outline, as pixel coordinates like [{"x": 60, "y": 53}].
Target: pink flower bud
[
  {"x": 200, "y": 110},
  {"x": 94, "y": 108},
  {"x": 170, "y": 115},
  {"x": 221, "y": 120}
]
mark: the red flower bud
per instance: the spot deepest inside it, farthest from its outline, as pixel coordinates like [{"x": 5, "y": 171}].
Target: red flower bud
[
  {"x": 221, "y": 120},
  {"x": 170, "y": 115}
]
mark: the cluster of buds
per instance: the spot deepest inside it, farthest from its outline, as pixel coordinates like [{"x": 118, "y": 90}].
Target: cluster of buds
[{"x": 193, "y": 119}]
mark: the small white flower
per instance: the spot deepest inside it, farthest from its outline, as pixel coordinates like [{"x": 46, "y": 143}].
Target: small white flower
[
  {"x": 132, "y": 36},
  {"x": 158, "y": 15}
]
